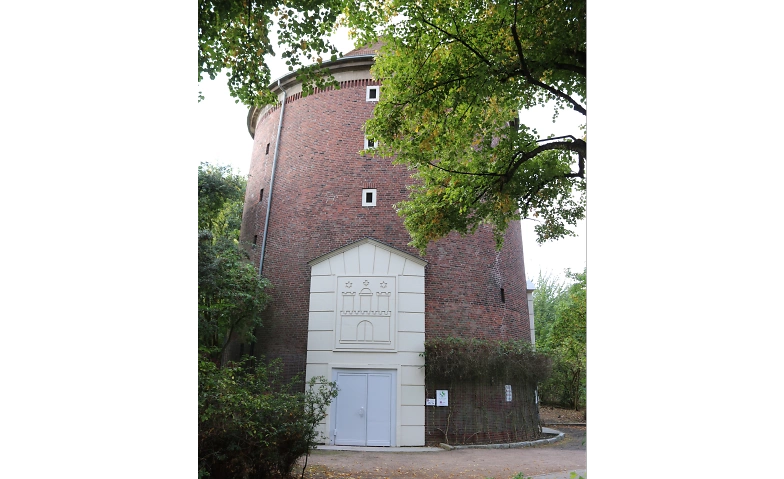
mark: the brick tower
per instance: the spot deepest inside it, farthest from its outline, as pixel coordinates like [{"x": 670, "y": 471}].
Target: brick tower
[{"x": 351, "y": 300}]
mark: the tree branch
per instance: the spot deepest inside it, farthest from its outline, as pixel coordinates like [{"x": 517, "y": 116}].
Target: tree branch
[
  {"x": 577, "y": 146},
  {"x": 571, "y": 68},
  {"x": 447, "y": 82},
  {"x": 424, "y": 62},
  {"x": 226, "y": 343},
  {"x": 463, "y": 172},
  {"x": 460, "y": 40},
  {"x": 535, "y": 190},
  {"x": 527, "y": 73}
]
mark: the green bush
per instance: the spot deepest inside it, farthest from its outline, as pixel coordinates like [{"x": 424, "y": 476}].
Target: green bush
[
  {"x": 460, "y": 359},
  {"x": 254, "y": 425},
  {"x": 566, "y": 385}
]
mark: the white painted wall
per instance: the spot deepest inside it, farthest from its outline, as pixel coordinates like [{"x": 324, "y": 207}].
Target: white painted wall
[{"x": 333, "y": 345}]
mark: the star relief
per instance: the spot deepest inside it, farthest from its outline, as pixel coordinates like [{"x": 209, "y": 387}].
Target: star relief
[
  {"x": 348, "y": 284},
  {"x": 366, "y": 282},
  {"x": 383, "y": 284}
]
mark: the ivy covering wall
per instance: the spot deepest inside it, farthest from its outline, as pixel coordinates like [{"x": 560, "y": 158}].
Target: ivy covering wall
[{"x": 475, "y": 373}]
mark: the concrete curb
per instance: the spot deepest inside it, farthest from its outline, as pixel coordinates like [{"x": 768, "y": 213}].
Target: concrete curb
[
  {"x": 511, "y": 445},
  {"x": 448, "y": 447}
]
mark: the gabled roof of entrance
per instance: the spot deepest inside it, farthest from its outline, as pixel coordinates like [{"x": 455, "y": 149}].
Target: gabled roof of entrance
[{"x": 376, "y": 243}]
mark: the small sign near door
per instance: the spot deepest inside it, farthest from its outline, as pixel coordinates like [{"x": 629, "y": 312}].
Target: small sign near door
[
  {"x": 430, "y": 402},
  {"x": 508, "y": 393},
  {"x": 442, "y": 397}
]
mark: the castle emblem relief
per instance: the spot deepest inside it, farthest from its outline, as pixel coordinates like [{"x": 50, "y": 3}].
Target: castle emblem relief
[
  {"x": 363, "y": 302},
  {"x": 365, "y": 316}
]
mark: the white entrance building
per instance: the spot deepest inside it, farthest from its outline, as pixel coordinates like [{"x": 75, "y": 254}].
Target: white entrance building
[{"x": 366, "y": 331}]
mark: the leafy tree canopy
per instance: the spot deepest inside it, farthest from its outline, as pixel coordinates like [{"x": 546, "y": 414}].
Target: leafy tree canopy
[
  {"x": 549, "y": 294},
  {"x": 234, "y": 36},
  {"x": 560, "y": 313},
  {"x": 231, "y": 294},
  {"x": 455, "y": 75},
  {"x": 221, "y": 194},
  {"x": 569, "y": 327}
]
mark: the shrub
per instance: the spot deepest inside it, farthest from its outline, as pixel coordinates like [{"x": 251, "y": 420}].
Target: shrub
[
  {"x": 476, "y": 373},
  {"x": 566, "y": 385},
  {"x": 474, "y": 359},
  {"x": 252, "y": 424}
]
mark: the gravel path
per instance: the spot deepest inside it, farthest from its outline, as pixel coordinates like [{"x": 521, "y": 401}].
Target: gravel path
[{"x": 566, "y": 455}]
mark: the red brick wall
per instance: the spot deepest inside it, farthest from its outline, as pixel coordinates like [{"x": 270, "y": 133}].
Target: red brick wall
[{"x": 316, "y": 208}]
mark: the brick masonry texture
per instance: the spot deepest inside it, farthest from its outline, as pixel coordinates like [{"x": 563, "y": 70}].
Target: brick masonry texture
[{"x": 316, "y": 208}]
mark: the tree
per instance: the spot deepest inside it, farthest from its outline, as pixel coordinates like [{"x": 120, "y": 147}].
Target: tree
[
  {"x": 234, "y": 35},
  {"x": 563, "y": 337},
  {"x": 569, "y": 336},
  {"x": 455, "y": 75},
  {"x": 221, "y": 197},
  {"x": 231, "y": 294},
  {"x": 549, "y": 293},
  {"x": 251, "y": 422}
]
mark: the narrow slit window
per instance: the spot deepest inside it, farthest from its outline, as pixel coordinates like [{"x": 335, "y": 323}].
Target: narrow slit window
[
  {"x": 369, "y": 197},
  {"x": 255, "y": 240},
  {"x": 267, "y": 153},
  {"x": 261, "y": 194},
  {"x": 372, "y": 93},
  {"x": 503, "y": 297}
]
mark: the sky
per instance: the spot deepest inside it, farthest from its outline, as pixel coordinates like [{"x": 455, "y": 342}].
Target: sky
[{"x": 225, "y": 140}]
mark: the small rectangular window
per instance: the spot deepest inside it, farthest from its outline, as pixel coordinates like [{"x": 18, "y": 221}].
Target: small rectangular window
[
  {"x": 255, "y": 239},
  {"x": 369, "y": 197},
  {"x": 372, "y": 93},
  {"x": 261, "y": 194},
  {"x": 370, "y": 143},
  {"x": 267, "y": 153},
  {"x": 503, "y": 297}
]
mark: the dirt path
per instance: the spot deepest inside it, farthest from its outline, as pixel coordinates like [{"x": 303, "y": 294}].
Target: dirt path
[{"x": 568, "y": 454}]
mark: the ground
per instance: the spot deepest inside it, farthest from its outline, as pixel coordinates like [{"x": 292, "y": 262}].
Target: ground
[
  {"x": 568, "y": 454},
  {"x": 558, "y": 415}
]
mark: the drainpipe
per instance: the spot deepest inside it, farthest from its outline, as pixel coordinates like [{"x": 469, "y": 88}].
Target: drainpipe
[
  {"x": 272, "y": 180},
  {"x": 530, "y": 287}
]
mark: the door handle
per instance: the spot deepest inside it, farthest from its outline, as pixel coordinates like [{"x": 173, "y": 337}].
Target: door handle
[{"x": 361, "y": 412}]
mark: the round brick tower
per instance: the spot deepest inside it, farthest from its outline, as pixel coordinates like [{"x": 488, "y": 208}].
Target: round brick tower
[{"x": 351, "y": 300}]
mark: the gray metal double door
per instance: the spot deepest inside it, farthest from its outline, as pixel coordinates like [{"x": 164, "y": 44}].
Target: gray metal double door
[{"x": 365, "y": 408}]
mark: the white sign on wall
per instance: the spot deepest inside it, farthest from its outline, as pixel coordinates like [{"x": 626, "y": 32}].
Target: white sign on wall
[
  {"x": 508, "y": 393},
  {"x": 442, "y": 397},
  {"x": 430, "y": 402}
]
